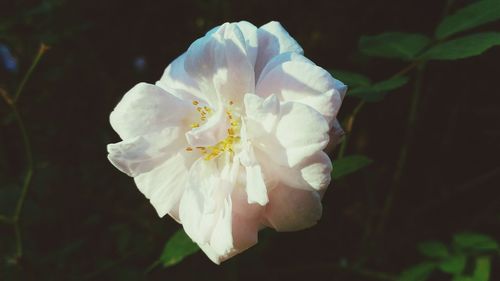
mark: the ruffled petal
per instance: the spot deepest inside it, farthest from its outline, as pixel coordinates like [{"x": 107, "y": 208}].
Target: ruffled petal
[
  {"x": 165, "y": 184},
  {"x": 205, "y": 208},
  {"x": 176, "y": 81},
  {"x": 313, "y": 173},
  {"x": 292, "y": 209},
  {"x": 221, "y": 62},
  {"x": 298, "y": 132},
  {"x": 280, "y": 59},
  {"x": 301, "y": 132},
  {"x": 262, "y": 115},
  {"x": 249, "y": 32},
  {"x": 255, "y": 184},
  {"x": 145, "y": 109},
  {"x": 273, "y": 40},
  {"x": 143, "y": 153},
  {"x": 210, "y": 133},
  {"x": 304, "y": 82},
  {"x": 246, "y": 220}
]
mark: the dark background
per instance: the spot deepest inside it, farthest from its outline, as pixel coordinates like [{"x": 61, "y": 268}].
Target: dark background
[{"x": 84, "y": 220}]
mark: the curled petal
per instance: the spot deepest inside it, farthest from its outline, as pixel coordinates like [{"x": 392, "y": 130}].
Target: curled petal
[
  {"x": 304, "y": 82},
  {"x": 176, "y": 81},
  {"x": 280, "y": 59},
  {"x": 143, "y": 153},
  {"x": 273, "y": 40},
  {"x": 146, "y": 108},
  {"x": 289, "y": 133},
  {"x": 291, "y": 209},
  {"x": 313, "y": 173},
  {"x": 255, "y": 184},
  {"x": 165, "y": 184},
  {"x": 211, "y": 132},
  {"x": 249, "y": 32},
  {"x": 221, "y": 62}
]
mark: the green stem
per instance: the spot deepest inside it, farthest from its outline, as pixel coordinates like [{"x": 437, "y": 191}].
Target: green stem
[
  {"x": 152, "y": 266},
  {"x": 43, "y": 48},
  {"x": 6, "y": 220},
  {"x": 12, "y": 103},
  {"x": 29, "y": 160},
  {"x": 348, "y": 124},
  {"x": 403, "y": 154}
]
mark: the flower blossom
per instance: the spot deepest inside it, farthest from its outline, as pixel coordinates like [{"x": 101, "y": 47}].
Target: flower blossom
[{"x": 230, "y": 139}]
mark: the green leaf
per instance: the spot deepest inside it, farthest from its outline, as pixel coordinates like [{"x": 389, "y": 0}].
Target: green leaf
[
  {"x": 177, "y": 248},
  {"x": 462, "y": 278},
  {"x": 454, "y": 264},
  {"x": 475, "y": 241},
  {"x": 482, "y": 269},
  {"x": 349, "y": 164},
  {"x": 463, "y": 47},
  {"x": 377, "y": 91},
  {"x": 469, "y": 17},
  {"x": 351, "y": 79},
  {"x": 419, "y": 272},
  {"x": 433, "y": 249},
  {"x": 398, "y": 45}
]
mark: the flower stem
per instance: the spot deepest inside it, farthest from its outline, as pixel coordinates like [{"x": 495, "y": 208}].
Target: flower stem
[
  {"x": 12, "y": 103},
  {"x": 403, "y": 154},
  {"x": 6, "y": 220},
  {"x": 43, "y": 48},
  {"x": 352, "y": 117}
]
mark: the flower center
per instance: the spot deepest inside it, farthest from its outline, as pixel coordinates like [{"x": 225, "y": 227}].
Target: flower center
[{"x": 225, "y": 145}]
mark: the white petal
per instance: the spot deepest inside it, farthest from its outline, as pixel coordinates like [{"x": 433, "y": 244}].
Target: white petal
[
  {"x": 262, "y": 114},
  {"x": 222, "y": 236},
  {"x": 291, "y": 209},
  {"x": 255, "y": 184},
  {"x": 301, "y": 130},
  {"x": 176, "y": 81},
  {"x": 220, "y": 60},
  {"x": 146, "y": 108},
  {"x": 164, "y": 185},
  {"x": 273, "y": 40},
  {"x": 280, "y": 59},
  {"x": 143, "y": 153},
  {"x": 206, "y": 211},
  {"x": 314, "y": 173},
  {"x": 303, "y": 82},
  {"x": 210, "y": 133},
  {"x": 256, "y": 187},
  {"x": 251, "y": 39},
  {"x": 203, "y": 200}
]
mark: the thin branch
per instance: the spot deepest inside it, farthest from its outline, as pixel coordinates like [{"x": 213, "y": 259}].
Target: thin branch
[
  {"x": 43, "y": 48},
  {"x": 29, "y": 161},
  {"x": 6, "y": 220},
  {"x": 12, "y": 103},
  {"x": 349, "y": 123},
  {"x": 403, "y": 154}
]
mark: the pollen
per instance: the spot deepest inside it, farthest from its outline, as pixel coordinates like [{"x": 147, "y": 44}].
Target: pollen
[{"x": 225, "y": 145}]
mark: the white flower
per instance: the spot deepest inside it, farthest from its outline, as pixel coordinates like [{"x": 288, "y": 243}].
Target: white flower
[{"x": 231, "y": 138}]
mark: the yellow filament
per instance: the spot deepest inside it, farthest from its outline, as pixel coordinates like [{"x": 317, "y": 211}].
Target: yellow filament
[{"x": 225, "y": 145}]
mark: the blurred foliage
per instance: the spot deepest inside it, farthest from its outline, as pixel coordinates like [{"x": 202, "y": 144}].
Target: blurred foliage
[
  {"x": 467, "y": 248},
  {"x": 434, "y": 141}
]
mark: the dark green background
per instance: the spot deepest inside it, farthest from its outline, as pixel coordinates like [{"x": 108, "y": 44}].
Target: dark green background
[{"x": 84, "y": 220}]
